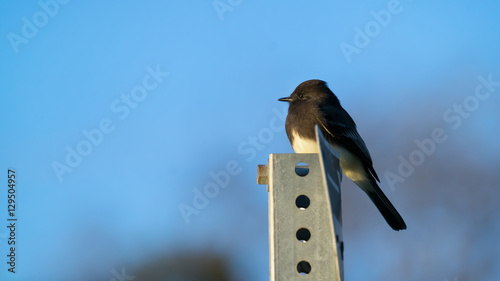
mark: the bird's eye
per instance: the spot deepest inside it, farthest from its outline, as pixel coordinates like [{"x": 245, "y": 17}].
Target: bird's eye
[{"x": 301, "y": 95}]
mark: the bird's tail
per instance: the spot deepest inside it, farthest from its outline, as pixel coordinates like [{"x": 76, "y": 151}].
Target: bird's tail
[{"x": 382, "y": 203}]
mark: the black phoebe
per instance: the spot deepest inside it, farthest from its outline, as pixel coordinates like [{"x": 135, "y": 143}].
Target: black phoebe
[{"x": 313, "y": 103}]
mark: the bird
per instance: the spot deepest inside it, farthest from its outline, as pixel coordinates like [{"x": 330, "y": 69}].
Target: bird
[{"x": 313, "y": 103}]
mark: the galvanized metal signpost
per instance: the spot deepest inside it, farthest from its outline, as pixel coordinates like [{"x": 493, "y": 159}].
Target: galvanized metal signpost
[{"x": 305, "y": 217}]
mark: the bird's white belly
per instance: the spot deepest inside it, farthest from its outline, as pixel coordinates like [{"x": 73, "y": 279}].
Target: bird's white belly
[
  {"x": 350, "y": 164},
  {"x": 302, "y": 145}
]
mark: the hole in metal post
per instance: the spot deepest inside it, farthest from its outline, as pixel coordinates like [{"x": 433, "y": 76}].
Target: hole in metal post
[
  {"x": 302, "y": 202},
  {"x": 303, "y": 235},
  {"x": 304, "y": 267},
  {"x": 302, "y": 169}
]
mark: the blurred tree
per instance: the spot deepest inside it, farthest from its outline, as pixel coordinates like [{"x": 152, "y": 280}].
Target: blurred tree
[{"x": 204, "y": 266}]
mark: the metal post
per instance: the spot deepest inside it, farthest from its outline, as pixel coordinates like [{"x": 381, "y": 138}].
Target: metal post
[{"x": 305, "y": 218}]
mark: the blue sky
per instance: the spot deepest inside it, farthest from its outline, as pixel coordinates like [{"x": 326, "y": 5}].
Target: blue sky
[{"x": 198, "y": 86}]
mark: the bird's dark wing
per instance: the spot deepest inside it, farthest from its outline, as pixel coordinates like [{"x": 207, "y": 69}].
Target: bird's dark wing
[{"x": 339, "y": 128}]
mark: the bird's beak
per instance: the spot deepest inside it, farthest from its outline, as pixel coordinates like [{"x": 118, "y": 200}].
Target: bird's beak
[{"x": 288, "y": 99}]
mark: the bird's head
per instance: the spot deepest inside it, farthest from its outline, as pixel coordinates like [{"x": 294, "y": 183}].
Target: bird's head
[{"x": 311, "y": 91}]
